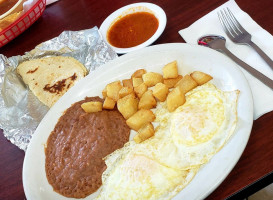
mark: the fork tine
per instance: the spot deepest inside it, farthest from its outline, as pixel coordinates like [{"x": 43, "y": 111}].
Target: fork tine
[
  {"x": 236, "y": 21},
  {"x": 231, "y": 23},
  {"x": 225, "y": 25}
]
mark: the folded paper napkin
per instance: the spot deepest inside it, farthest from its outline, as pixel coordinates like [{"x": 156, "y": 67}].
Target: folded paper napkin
[
  {"x": 30, "y": 3},
  {"x": 50, "y": 1},
  {"x": 209, "y": 24}
]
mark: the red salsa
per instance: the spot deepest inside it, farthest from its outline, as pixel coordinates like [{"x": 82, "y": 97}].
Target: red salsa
[{"x": 132, "y": 29}]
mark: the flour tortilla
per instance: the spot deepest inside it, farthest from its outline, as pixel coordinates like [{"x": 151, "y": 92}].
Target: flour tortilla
[{"x": 49, "y": 78}]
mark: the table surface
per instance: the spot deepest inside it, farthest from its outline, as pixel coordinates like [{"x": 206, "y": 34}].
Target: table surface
[{"x": 256, "y": 161}]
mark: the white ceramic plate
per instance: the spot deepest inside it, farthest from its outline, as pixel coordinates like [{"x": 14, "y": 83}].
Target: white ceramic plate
[
  {"x": 227, "y": 76},
  {"x": 136, "y": 7}
]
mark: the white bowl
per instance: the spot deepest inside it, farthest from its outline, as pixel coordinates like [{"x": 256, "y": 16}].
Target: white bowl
[
  {"x": 16, "y": 8},
  {"x": 132, "y": 8}
]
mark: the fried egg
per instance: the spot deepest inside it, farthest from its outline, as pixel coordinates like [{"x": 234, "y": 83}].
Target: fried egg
[
  {"x": 164, "y": 164},
  {"x": 195, "y": 131},
  {"x": 135, "y": 176}
]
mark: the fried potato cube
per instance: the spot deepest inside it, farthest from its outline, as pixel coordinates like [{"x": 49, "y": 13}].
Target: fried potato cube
[
  {"x": 137, "y": 81},
  {"x": 144, "y": 133},
  {"x": 92, "y": 106},
  {"x": 141, "y": 117},
  {"x": 160, "y": 91},
  {"x": 138, "y": 73},
  {"x": 175, "y": 99},
  {"x": 109, "y": 103},
  {"x": 200, "y": 77},
  {"x": 131, "y": 95},
  {"x": 113, "y": 89},
  {"x": 104, "y": 93},
  {"x": 127, "y": 105},
  {"x": 171, "y": 82},
  {"x": 140, "y": 90},
  {"x": 152, "y": 78},
  {"x": 127, "y": 83},
  {"x": 170, "y": 70},
  {"x": 186, "y": 84},
  {"x": 124, "y": 91},
  {"x": 147, "y": 101},
  {"x": 138, "y": 139}
]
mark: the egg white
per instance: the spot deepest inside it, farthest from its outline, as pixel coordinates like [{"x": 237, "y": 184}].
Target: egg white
[
  {"x": 197, "y": 130},
  {"x": 135, "y": 176}
]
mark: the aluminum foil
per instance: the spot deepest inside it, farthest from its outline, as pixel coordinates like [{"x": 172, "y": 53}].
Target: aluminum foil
[{"x": 20, "y": 111}]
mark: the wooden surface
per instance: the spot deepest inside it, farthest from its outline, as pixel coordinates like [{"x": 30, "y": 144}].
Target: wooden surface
[{"x": 257, "y": 159}]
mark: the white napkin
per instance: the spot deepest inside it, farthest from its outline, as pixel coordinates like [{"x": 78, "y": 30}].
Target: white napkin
[
  {"x": 50, "y": 1},
  {"x": 30, "y": 3},
  {"x": 209, "y": 24}
]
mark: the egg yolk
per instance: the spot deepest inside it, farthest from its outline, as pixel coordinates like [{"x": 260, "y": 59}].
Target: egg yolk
[{"x": 199, "y": 118}]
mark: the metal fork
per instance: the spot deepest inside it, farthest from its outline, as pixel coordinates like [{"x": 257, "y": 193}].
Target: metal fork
[{"x": 238, "y": 34}]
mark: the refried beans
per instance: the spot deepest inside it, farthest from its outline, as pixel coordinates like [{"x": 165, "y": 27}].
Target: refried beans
[{"x": 77, "y": 145}]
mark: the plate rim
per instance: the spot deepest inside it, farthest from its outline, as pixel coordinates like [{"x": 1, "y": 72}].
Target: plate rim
[{"x": 133, "y": 54}]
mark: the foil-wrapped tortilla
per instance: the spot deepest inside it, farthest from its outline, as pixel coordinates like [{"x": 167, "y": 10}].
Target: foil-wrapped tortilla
[{"x": 20, "y": 110}]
